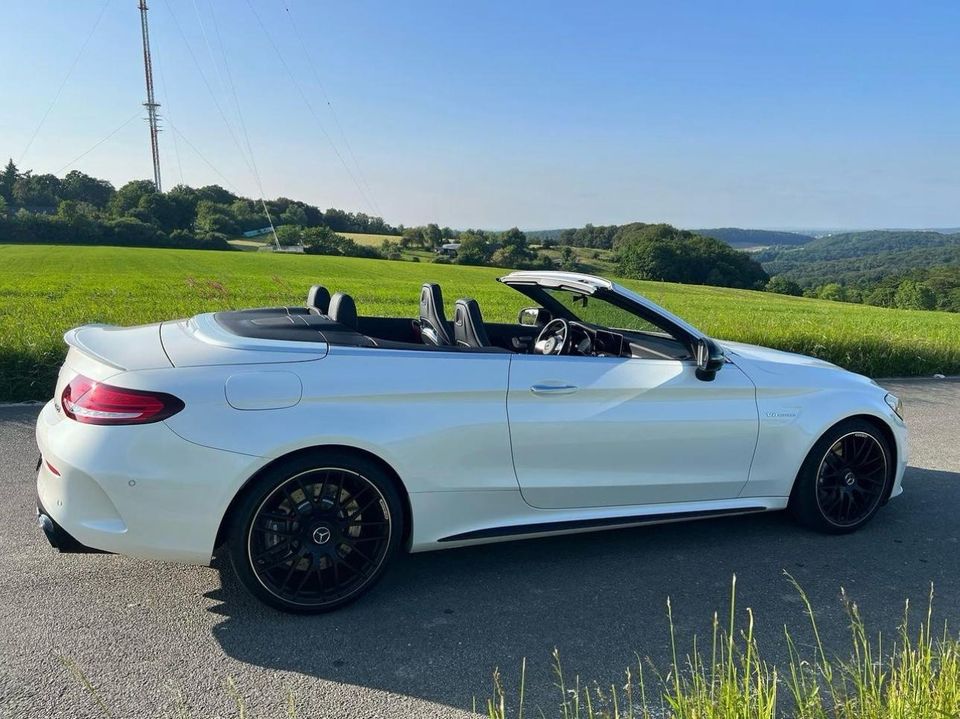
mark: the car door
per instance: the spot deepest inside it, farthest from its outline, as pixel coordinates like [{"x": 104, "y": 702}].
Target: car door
[{"x": 608, "y": 431}]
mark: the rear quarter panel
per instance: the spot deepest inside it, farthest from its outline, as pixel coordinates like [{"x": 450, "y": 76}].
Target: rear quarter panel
[{"x": 438, "y": 418}]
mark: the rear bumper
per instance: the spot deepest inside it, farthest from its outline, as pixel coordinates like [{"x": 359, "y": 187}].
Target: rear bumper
[
  {"x": 59, "y": 538},
  {"x": 140, "y": 491}
]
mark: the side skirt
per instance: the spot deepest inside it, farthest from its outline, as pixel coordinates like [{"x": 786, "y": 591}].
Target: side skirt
[{"x": 519, "y": 530}]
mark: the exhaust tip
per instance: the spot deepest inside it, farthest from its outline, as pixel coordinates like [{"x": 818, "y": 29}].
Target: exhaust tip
[
  {"x": 46, "y": 524},
  {"x": 59, "y": 538}
]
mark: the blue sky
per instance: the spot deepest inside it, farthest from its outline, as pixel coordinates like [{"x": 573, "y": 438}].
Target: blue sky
[{"x": 537, "y": 114}]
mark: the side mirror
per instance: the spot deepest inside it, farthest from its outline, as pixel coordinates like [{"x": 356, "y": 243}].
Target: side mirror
[
  {"x": 710, "y": 359},
  {"x": 534, "y": 316}
]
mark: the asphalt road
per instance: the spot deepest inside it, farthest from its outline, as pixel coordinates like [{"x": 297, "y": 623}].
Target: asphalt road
[{"x": 426, "y": 640}]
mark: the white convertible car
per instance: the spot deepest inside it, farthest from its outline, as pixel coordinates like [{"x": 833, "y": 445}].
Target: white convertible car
[{"x": 314, "y": 443}]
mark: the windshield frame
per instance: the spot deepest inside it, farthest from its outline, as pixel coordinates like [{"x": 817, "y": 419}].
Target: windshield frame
[{"x": 666, "y": 322}]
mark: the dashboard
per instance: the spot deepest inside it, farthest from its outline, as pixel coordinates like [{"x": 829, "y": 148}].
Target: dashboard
[
  {"x": 593, "y": 342},
  {"x": 596, "y": 342}
]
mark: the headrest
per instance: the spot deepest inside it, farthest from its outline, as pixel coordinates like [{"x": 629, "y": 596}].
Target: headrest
[
  {"x": 343, "y": 310},
  {"x": 319, "y": 297}
]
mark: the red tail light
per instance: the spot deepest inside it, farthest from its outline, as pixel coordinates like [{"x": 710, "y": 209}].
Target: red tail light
[{"x": 92, "y": 402}]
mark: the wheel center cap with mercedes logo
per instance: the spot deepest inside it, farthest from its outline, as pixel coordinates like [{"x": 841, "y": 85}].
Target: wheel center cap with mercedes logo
[{"x": 321, "y": 535}]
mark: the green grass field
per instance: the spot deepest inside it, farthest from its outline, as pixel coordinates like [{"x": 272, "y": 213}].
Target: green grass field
[
  {"x": 362, "y": 238},
  {"x": 594, "y": 261},
  {"x": 45, "y": 290}
]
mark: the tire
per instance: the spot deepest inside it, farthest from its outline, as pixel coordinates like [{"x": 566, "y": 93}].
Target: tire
[
  {"x": 316, "y": 531},
  {"x": 844, "y": 480}
]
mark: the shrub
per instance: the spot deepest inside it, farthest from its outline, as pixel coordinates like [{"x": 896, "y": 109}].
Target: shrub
[
  {"x": 75, "y": 225},
  {"x": 662, "y": 252},
  {"x": 832, "y": 291},
  {"x": 913, "y": 295},
  {"x": 391, "y": 250},
  {"x": 474, "y": 249},
  {"x": 210, "y": 241},
  {"x": 882, "y": 297},
  {"x": 568, "y": 259},
  {"x": 783, "y": 286},
  {"x": 324, "y": 241}
]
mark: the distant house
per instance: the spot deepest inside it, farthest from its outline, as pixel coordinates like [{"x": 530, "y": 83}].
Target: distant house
[
  {"x": 448, "y": 249},
  {"x": 257, "y": 233}
]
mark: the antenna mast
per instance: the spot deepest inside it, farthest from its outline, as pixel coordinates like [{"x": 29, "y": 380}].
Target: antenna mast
[{"x": 151, "y": 104}]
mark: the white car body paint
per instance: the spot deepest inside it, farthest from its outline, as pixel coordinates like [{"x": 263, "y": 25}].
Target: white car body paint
[
  {"x": 474, "y": 447},
  {"x": 615, "y": 439}
]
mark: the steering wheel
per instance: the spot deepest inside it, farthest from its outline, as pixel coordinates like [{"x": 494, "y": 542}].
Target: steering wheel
[{"x": 554, "y": 338}]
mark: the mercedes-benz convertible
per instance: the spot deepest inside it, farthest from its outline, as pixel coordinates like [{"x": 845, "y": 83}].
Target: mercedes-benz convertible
[{"x": 312, "y": 444}]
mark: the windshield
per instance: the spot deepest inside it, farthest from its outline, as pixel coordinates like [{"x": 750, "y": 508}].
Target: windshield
[{"x": 595, "y": 311}]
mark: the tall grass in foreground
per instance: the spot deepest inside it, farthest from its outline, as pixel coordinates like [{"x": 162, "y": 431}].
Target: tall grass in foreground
[{"x": 916, "y": 677}]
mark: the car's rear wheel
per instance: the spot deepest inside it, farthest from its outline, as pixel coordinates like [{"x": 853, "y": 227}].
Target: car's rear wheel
[
  {"x": 316, "y": 531},
  {"x": 844, "y": 479}
]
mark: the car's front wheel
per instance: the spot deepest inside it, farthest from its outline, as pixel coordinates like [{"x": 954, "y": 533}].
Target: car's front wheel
[
  {"x": 844, "y": 479},
  {"x": 316, "y": 531}
]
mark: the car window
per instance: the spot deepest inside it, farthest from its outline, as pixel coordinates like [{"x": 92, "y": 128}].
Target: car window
[{"x": 595, "y": 311}]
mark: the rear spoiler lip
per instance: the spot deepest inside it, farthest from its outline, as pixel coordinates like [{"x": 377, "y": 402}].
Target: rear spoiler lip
[{"x": 72, "y": 338}]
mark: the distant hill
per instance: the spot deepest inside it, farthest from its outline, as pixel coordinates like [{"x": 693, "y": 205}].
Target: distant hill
[
  {"x": 601, "y": 235},
  {"x": 736, "y": 237},
  {"x": 855, "y": 244},
  {"x": 858, "y": 257}
]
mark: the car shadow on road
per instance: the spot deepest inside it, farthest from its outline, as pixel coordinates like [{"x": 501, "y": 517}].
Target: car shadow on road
[{"x": 439, "y": 623}]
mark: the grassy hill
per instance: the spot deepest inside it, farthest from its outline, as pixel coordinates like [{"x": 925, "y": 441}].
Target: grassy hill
[
  {"x": 857, "y": 244},
  {"x": 45, "y": 290},
  {"x": 362, "y": 238},
  {"x": 741, "y": 239}
]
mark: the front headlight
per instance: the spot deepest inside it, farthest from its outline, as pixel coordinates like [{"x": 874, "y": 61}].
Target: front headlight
[{"x": 895, "y": 404}]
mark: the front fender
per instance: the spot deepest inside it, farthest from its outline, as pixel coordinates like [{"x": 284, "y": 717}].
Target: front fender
[{"x": 791, "y": 422}]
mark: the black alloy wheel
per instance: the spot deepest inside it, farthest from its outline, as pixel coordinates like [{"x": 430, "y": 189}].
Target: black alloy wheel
[
  {"x": 845, "y": 478},
  {"x": 851, "y": 479},
  {"x": 316, "y": 537}
]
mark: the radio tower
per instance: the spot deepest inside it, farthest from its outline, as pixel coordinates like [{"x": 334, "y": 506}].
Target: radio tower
[{"x": 151, "y": 104}]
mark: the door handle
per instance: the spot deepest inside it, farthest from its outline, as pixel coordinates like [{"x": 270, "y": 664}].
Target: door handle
[{"x": 554, "y": 388}]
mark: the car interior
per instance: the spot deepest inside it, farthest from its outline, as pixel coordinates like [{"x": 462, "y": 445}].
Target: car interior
[{"x": 549, "y": 329}]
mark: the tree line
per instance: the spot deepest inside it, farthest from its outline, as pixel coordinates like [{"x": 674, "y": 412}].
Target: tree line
[
  {"x": 81, "y": 209},
  {"x": 933, "y": 288},
  {"x": 886, "y": 268},
  {"x": 640, "y": 251}
]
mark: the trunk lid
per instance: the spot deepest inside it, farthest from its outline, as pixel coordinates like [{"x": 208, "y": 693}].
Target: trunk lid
[
  {"x": 103, "y": 351},
  {"x": 202, "y": 342},
  {"x": 120, "y": 348}
]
